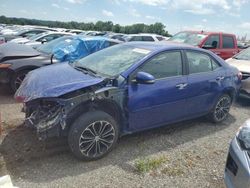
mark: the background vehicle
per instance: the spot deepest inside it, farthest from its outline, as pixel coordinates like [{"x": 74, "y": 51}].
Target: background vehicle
[
  {"x": 143, "y": 37},
  {"x": 124, "y": 89},
  {"x": 39, "y": 39},
  {"x": 242, "y": 62},
  {"x": 17, "y": 60},
  {"x": 237, "y": 172},
  {"x": 222, "y": 44},
  {"x": 22, "y": 33}
]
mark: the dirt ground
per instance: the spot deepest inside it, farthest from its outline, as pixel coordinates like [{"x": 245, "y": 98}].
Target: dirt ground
[{"x": 194, "y": 154}]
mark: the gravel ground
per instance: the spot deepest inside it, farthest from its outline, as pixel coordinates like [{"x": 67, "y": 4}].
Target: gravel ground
[{"x": 194, "y": 154}]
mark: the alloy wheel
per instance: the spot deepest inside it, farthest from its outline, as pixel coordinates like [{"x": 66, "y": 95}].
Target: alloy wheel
[
  {"x": 222, "y": 108},
  {"x": 97, "y": 139}
]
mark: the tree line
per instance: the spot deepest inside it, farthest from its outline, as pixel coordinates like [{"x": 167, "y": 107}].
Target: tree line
[{"x": 157, "y": 28}]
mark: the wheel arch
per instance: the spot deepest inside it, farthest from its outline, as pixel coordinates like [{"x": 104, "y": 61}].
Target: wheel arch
[
  {"x": 231, "y": 92},
  {"x": 106, "y": 105}
]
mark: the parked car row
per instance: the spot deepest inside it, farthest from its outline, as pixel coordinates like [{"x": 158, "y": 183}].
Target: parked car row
[{"x": 17, "y": 60}]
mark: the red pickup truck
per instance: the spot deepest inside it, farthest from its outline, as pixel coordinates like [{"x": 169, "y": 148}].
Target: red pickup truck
[{"x": 222, "y": 44}]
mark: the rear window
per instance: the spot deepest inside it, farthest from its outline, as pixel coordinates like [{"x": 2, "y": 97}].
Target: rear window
[
  {"x": 160, "y": 38},
  {"x": 228, "y": 42}
]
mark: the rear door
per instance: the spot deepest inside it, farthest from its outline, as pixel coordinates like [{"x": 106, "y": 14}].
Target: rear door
[
  {"x": 228, "y": 47},
  {"x": 205, "y": 81},
  {"x": 151, "y": 105}
]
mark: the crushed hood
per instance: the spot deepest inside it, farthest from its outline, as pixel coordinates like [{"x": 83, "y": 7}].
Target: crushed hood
[
  {"x": 54, "y": 81},
  {"x": 12, "y": 50}
]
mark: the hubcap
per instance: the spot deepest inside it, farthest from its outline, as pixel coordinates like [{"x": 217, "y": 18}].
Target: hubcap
[
  {"x": 96, "y": 139},
  {"x": 222, "y": 108}
]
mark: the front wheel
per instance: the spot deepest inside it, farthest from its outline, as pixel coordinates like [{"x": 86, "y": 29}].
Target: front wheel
[
  {"x": 221, "y": 109},
  {"x": 93, "y": 135}
]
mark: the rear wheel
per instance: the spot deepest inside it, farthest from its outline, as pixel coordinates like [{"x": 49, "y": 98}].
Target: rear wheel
[
  {"x": 17, "y": 79},
  {"x": 221, "y": 110},
  {"x": 93, "y": 135}
]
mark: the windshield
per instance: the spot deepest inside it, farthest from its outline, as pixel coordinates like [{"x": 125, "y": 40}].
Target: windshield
[
  {"x": 243, "y": 55},
  {"x": 48, "y": 47},
  {"x": 113, "y": 60},
  {"x": 21, "y": 31},
  {"x": 34, "y": 37},
  {"x": 188, "y": 38}
]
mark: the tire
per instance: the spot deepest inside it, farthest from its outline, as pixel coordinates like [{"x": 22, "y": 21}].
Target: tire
[
  {"x": 17, "y": 80},
  {"x": 221, "y": 109},
  {"x": 93, "y": 135}
]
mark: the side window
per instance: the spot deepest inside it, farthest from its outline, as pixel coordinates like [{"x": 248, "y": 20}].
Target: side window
[
  {"x": 228, "y": 41},
  {"x": 213, "y": 42},
  {"x": 215, "y": 65},
  {"x": 136, "y": 38},
  {"x": 199, "y": 62},
  {"x": 147, "y": 38},
  {"x": 164, "y": 65}
]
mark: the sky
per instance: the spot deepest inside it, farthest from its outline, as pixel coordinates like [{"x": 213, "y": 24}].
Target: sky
[{"x": 211, "y": 15}]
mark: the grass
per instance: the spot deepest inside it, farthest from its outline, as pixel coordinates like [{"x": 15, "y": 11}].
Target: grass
[
  {"x": 173, "y": 171},
  {"x": 147, "y": 164}
]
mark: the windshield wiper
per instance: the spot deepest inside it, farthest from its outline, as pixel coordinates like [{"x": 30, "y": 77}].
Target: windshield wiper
[{"x": 86, "y": 70}]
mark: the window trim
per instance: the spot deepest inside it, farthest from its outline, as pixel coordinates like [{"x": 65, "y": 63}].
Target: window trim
[
  {"x": 184, "y": 70},
  {"x": 200, "y": 52}
]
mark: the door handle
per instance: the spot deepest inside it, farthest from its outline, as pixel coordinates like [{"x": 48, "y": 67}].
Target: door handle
[
  {"x": 181, "y": 86},
  {"x": 219, "y": 78},
  {"x": 217, "y": 53}
]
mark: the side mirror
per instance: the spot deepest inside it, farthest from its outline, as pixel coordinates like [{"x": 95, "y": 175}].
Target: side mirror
[
  {"x": 144, "y": 78},
  {"x": 43, "y": 41}
]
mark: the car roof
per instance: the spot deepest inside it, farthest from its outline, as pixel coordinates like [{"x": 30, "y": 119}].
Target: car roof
[
  {"x": 162, "y": 45},
  {"x": 143, "y": 34},
  {"x": 207, "y": 32}
]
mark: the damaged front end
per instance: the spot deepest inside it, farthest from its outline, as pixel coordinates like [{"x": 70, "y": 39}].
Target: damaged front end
[
  {"x": 44, "y": 115},
  {"x": 49, "y": 116},
  {"x": 52, "y": 117},
  {"x": 245, "y": 85}
]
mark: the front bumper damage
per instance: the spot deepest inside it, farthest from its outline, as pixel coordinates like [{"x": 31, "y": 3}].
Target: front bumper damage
[{"x": 49, "y": 116}]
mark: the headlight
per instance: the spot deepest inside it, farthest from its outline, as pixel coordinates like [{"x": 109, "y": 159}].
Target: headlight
[{"x": 243, "y": 135}]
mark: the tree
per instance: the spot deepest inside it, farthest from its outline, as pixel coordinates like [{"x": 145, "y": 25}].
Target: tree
[{"x": 157, "y": 27}]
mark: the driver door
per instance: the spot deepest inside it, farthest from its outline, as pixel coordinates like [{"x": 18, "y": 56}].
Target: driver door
[{"x": 152, "y": 105}]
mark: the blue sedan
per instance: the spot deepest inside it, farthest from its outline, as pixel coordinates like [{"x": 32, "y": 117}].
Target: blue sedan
[{"x": 124, "y": 89}]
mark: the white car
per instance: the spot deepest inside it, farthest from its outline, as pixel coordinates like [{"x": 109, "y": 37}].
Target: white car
[
  {"x": 144, "y": 37},
  {"x": 39, "y": 39}
]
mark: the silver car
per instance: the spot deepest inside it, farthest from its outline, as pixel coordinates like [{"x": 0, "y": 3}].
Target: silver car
[
  {"x": 237, "y": 172},
  {"x": 242, "y": 62}
]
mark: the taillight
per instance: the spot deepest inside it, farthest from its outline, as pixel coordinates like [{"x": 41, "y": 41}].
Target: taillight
[{"x": 239, "y": 75}]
